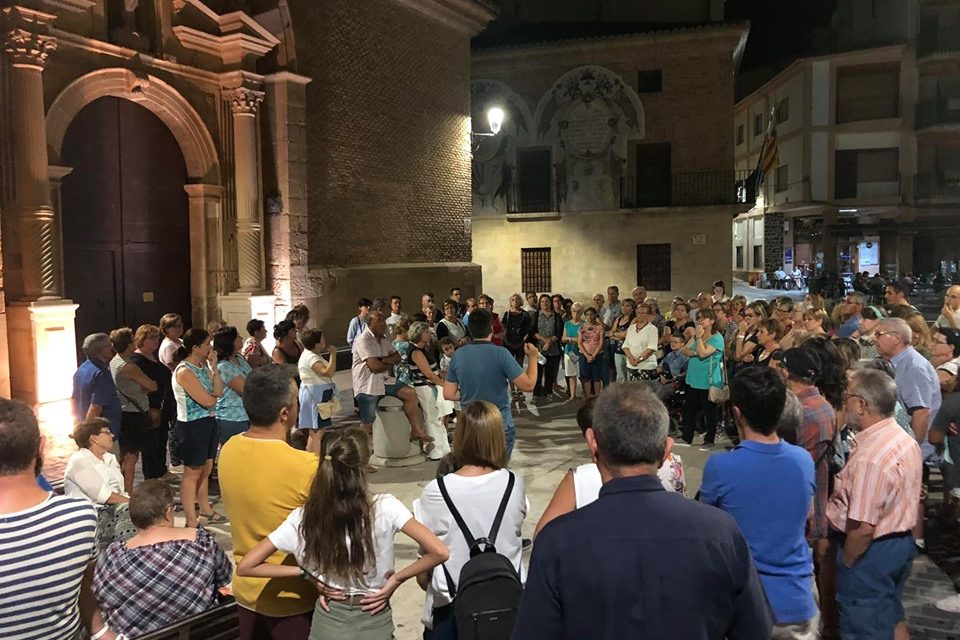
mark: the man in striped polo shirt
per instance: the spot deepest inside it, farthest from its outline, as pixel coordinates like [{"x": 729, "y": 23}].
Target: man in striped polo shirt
[
  {"x": 46, "y": 543},
  {"x": 874, "y": 506}
]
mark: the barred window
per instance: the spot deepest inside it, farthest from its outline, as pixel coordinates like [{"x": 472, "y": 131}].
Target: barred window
[
  {"x": 535, "y": 269},
  {"x": 653, "y": 266}
]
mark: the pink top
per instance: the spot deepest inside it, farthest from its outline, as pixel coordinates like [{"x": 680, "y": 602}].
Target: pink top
[{"x": 591, "y": 336}]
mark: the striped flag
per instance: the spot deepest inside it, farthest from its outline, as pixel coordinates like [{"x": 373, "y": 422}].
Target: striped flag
[{"x": 770, "y": 157}]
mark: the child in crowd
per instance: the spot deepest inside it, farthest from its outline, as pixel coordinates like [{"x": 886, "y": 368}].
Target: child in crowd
[
  {"x": 446, "y": 407},
  {"x": 343, "y": 537},
  {"x": 401, "y": 370}
]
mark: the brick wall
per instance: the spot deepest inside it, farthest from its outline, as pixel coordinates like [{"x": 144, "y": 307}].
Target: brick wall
[
  {"x": 388, "y": 167},
  {"x": 772, "y": 242}
]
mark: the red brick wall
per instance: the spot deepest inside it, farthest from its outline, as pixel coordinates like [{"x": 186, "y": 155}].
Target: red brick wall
[{"x": 388, "y": 160}]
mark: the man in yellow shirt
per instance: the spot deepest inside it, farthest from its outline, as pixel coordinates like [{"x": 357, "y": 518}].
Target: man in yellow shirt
[{"x": 263, "y": 479}]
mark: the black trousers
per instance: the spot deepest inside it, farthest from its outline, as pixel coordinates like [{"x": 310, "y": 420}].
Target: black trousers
[
  {"x": 547, "y": 375},
  {"x": 154, "y": 452},
  {"x": 697, "y": 403}
]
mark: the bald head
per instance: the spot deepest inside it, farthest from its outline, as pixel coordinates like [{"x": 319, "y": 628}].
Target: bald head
[{"x": 952, "y": 297}]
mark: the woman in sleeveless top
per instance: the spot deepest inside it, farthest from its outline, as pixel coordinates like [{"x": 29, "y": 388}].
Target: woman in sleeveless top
[
  {"x": 132, "y": 387},
  {"x": 450, "y": 325},
  {"x": 424, "y": 374},
  {"x": 581, "y": 485},
  {"x": 317, "y": 390},
  {"x": 196, "y": 387}
]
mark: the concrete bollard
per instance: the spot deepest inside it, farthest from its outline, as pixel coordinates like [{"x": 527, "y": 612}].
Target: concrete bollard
[{"x": 391, "y": 437}]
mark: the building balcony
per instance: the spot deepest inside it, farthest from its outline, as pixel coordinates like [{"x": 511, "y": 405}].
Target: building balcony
[
  {"x": 935, "y": 185},
  {"x": 880, "y": 108},
  {"x": 532, "y": 198},
  {"x": 693, "y": 189},
  {"x": 941, "y": 40},
  {"x": 937, "y": 113}
]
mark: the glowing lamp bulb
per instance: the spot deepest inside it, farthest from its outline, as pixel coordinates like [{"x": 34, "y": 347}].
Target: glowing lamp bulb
[{"x": 495, "y": 119}]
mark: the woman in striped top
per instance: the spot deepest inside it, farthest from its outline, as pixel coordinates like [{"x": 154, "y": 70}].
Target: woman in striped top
[
  {"x": 427, "y": 383},
  {"x": 196, "y": 386}
]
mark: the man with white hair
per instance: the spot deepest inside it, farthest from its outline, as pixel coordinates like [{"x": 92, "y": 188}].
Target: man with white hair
[
  {"x": 94, "y": 393},
  {"x": 950, "y": 313},
  {"x": 918, "y": 387},
  {"x": 874, "y": 506}
]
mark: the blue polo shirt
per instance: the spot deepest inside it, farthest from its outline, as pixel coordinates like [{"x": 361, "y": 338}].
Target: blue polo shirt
[
  {"x": 93, "y": 384},
  {"x": 484, "y": 371},
  {"x": 848, "y": 328},
  {"x": 768, "y": 489}
]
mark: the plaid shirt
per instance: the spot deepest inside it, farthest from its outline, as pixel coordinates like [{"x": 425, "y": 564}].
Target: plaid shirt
[
  {"x": 145, "y": 588},
  {"x": 815, "y": 434}
]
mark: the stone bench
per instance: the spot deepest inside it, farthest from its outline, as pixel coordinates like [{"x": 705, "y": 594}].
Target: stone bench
[{"x": 391, "y": 437}]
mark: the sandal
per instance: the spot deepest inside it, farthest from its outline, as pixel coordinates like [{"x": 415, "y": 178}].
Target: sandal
[{"x": 212, "y": 518}]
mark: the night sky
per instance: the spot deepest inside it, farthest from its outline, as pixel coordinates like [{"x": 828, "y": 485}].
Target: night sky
[{"x": 781, "y": 30}]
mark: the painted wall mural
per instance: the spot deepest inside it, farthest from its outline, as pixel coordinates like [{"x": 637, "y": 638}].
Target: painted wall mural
[{"x": 586, "y": 120}]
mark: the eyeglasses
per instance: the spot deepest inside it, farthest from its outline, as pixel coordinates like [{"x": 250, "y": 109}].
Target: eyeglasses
[{"x": 106, "y": 432}]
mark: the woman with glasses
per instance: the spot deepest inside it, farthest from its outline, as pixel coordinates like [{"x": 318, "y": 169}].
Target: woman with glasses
[
  {"x": 704, "y": 370},
  {"x": 866, "y": 334},
  {"x": 618, "y": 333},
  {"x": 93, "y": 473},
  {"x": 748, "y": 346}
]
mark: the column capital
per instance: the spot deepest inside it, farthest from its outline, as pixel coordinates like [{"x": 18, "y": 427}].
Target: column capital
[
  {"x": 24, "y": 36},
  {"x": 243, "y": 100}
]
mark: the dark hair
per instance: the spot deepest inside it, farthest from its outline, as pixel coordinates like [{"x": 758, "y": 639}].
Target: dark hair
[
  {"x": 953, "y": 338},
  {"x": 224, "y": 341},
  {"x": 19, "y": 437},
  {"x": 194, "y": 337},
  {"x": 282, "y": 328},
  {"x": 759, "y": 393},
  {"x": 121, "y": 339},
  {"x": 339, "y": 509},
  {"x": 365, "y": 302},
  {"x": 311, "y": 338},
  {"x": 445, "y": 341},
  {"x": 396, "y": 297},
  {"x": 709, "y": 314},
  {"x": 419, "y": 316},
  {"x": 299, "y": 312},
  {"x": 832, "y": 380},
  {"x": 631, "y": 425},
  {"x": 266, "y": 392},
  {"x": 719, "y": 283},
  {"x": 585, "y": 414},
  {"x": 480, "y": 323},
  {"x": 849, "y": 350},
  {"x": 254, "y": 325},
  {"x": 86, "y": 429},
  {"x": 771, "y": 326},
  {"x": 452, "y": 289},
  {"x": 149, "y": 502},
  {"x": 901, "y": 286}
]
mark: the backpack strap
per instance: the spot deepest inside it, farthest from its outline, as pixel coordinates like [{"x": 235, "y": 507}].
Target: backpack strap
[{"x": 465, "y": 530}]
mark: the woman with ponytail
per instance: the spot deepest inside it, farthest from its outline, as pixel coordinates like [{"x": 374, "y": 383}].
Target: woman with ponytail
[
  {"x": 343, "y": 537},
  {"x": 196, "y": 387}
]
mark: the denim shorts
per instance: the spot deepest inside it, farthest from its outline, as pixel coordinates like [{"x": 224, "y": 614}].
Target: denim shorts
[
  {"x": 368, "y": 404},
  {"x": 870, "y": 593}
]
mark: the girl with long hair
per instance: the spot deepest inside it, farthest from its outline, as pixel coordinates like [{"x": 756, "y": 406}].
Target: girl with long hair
[{"x": 343, "y": 537}]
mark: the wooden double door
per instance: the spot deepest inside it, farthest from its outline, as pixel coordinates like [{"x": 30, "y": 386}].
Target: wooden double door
[{"x": 125, "y": 218}]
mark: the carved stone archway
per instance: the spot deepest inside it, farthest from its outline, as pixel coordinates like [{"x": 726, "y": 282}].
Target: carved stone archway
[{"x": 164, "y": 101}]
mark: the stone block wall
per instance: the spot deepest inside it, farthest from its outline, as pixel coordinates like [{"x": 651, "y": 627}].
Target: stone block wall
[
  {"x": 388, "y": 170},
  {"x": 772, "y": 242}
]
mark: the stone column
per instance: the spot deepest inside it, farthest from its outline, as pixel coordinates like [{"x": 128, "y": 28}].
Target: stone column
[
  {"x": 206, "y": 249},
  {"x": 245, "y": 103},
  {"x": 27, "y": 47}
]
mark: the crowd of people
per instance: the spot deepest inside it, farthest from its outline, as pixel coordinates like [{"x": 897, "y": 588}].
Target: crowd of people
[{"x": 805, "y": 528}]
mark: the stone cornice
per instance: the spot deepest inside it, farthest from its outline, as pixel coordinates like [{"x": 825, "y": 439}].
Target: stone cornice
[
  {"x": 286, "y": 76},
  {"x": 466, "y": 16},
  {"x": 230, "y": 48}
]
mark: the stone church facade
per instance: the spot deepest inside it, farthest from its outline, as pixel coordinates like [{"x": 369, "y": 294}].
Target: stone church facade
[{"x": 223, "y": 159}]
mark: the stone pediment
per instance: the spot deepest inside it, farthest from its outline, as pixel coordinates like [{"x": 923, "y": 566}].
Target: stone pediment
[{"x": 230, "y": 36}]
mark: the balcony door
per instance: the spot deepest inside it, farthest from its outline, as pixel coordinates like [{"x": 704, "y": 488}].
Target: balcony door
[
  {"x": 533, "y": 174},
  {"x": 652, "y": 187}
]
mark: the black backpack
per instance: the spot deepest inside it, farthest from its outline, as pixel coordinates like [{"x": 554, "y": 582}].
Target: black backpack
[{"x": 486, "y": 602}]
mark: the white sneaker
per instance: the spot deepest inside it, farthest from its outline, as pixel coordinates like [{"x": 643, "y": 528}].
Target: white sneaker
[
  {"x": 950, "y": 604},
  {"x": 706, "y": 447},
  {"x": 681, "y": 443}
]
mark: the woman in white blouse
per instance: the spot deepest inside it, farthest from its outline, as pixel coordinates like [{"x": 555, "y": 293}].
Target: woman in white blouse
[
  {"x": 94, "y": 473},
  {"x": 476, "y": 489}
]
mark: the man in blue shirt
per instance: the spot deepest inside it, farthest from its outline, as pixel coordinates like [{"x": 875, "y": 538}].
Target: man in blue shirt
[
  {"x": 640, "y": 562},
  {"x": 853, "y": 305},
  {"x": 767, "y": 485},
  {"x": 482, "y": 370},
  {"x": 94, "y": 394}
]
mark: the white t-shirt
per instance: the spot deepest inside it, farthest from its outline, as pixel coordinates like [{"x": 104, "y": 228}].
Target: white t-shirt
[
  {"x": 477, "y": 499},
  {"x": 587, "y": 481},
  {"x": 389, "y": 516},
  {"x": 640, "y": 341},
  {"x": 943, "y": 322},
  {"x": 305, "y": 367},
  {"x": 167, "y": 348},
  {"x": 87, "y": 476}
]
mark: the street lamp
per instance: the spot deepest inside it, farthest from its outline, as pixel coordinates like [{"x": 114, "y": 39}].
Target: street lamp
[{"x": 495, "y": 117}]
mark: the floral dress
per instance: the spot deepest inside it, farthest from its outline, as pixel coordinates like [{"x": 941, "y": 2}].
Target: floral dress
[{"x": 401, "y": 370}]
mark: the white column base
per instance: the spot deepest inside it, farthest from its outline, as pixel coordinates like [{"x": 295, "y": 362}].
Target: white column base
[
  {"x": 43, "y": 358},
  {"x": 237, "y": 309},
  {"x": 391, "y": 437}
]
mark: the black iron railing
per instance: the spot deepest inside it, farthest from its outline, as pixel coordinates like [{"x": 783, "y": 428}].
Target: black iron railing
[
  {"x": 936, "y": 184},
  {"x": 944, "y": 39},
  {"x": 937, "y": 112},
  {"x": 537, "y": 197},
  {"x": 689, "y": 189}
]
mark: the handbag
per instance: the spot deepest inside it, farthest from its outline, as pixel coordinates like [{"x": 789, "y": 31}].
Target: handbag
[
  {"x": 719, "y": 394},
  {"x": 327, "y": 410}
]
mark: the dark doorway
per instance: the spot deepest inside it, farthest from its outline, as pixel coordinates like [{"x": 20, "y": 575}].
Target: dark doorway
[
  {"x": 125, "y": 217},
  {"x": 652, "y": 185}
]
